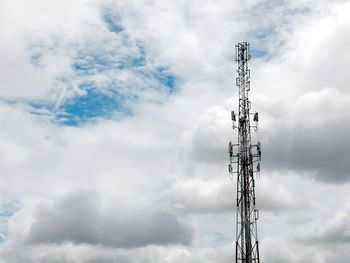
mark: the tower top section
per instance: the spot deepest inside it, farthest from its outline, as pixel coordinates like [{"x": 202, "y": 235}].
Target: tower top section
[{"x": 242, "y": 52}]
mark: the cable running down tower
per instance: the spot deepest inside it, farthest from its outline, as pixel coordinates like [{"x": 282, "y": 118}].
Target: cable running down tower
[{"x": 245, "y": 164}]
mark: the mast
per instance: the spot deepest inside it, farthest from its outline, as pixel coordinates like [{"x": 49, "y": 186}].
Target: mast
[{"x": 245, "y": 164}]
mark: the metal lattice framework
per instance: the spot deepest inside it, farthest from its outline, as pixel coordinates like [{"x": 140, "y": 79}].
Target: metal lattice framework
[{"x": 245, "y": 165}]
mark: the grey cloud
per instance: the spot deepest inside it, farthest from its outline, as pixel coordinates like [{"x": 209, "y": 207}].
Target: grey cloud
[
  {"x": 83, "y": 218},
  {"x": 324, "y": 155},
  {"x": 55, "y": 259},
  {"x": 322, "y": 150},
  {"x": 16, "y": 255},
  {"x": 110, "y": 259},
  {"x": 97, "y": 254},
  {"x": 334, "y": 232},
  {"x": 338, "y": 236},
  {"x": 106, "y": 260}
]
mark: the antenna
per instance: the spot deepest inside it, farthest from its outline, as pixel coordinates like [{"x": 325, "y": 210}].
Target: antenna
[{"x": 245, "y": 164}]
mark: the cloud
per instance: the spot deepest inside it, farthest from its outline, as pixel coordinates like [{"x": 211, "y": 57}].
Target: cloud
[
  {"x": 198, "y": 196},
  {"x": 81, "y": 218},
  {"x": 332, "y": 232},
  {"x": 209, "y": 136},
  {"x": 309, "y": 138},
  {"x": 215, "y": 196},
  {"x": 163, "y": 168}
]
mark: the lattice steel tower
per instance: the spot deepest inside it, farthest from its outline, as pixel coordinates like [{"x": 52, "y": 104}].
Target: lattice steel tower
[{"x": 245, "y": 164}]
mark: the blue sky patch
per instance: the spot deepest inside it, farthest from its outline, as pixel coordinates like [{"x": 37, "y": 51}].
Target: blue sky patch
[
  {"x": 108, "y": 77},
  {"x": 94, "y": 104}
]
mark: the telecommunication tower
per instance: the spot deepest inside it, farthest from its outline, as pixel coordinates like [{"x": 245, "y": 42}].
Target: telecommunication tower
[{"x": 245, "y": 164}]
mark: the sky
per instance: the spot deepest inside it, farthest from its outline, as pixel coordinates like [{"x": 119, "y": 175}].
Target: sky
[{"x": 115, "y": 123}]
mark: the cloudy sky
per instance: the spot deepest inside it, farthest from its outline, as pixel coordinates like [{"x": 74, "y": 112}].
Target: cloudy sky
[{"x": 115, "y": 123}]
